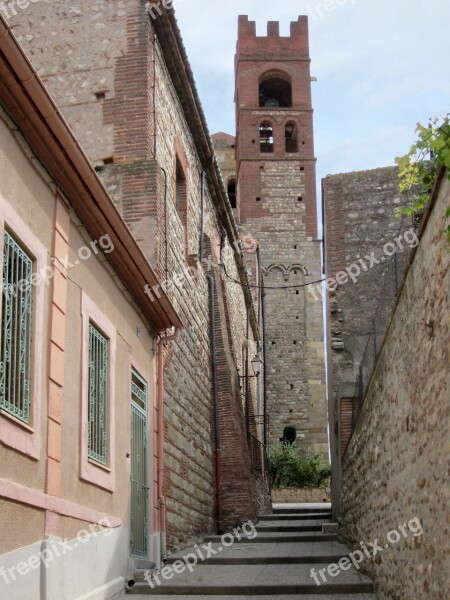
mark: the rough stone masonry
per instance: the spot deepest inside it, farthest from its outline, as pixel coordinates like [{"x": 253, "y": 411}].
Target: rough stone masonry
[
  {"x": 396, "y": 465},
  {"x": 276, "y": 205}
]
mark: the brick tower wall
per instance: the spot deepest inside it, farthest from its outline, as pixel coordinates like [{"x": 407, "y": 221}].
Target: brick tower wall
[{"x": 277, "y": 206}]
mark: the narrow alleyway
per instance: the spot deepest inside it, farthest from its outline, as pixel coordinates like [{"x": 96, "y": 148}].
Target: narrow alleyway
[{"x": 274, "y": 561}]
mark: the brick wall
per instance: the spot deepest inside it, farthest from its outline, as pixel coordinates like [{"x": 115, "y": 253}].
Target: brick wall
[{"x": 396, "y": 466}]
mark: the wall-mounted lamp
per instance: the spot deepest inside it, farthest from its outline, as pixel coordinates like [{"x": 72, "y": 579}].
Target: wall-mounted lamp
[{"x": 256, "y": 366}]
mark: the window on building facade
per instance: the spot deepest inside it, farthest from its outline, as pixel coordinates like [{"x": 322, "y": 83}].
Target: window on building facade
[
  {"x": 291, "y": 137},
  {"x": 98, "y": 396},
  {"x": 98, "y": 399},
  {"x": 266, "y": 137},
  {"x": 232, "y": 192},
  {"x": 275, "y": 91},
  {"x": 181, "y": 190},
  {"x": 181, "y": 199},
  {"x": 16, "y": 333}
]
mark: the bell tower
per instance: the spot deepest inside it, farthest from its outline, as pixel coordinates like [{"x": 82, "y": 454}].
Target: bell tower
[{"x": 276, "y": 204}]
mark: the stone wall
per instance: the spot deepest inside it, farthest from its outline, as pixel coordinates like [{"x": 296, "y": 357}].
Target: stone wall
[
  {"x": 300, "y": 496},
  {"x": 359, "y": 220},
  {"x": 294, "y": 324},
  {"x": 396, "y": 466},
  {"x": 225, "y": 148}
]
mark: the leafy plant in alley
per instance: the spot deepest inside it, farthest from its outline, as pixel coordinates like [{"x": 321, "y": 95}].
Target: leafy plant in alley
[{"x": 419, "y": 168}]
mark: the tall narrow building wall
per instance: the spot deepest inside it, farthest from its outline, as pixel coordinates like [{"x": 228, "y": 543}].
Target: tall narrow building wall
[{"x": 276, "y": 204}]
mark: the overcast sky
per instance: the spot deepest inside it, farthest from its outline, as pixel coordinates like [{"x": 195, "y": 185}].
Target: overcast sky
[{"x": 381, "y": 65}]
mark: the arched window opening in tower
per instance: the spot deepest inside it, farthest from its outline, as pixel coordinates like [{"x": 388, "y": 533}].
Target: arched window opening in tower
[
  {"x": 266, "y": 137},
  {"x": 290, "y": 134},
  {"x": 232, "y": 192},
  {"x": 275, "y": 92}
]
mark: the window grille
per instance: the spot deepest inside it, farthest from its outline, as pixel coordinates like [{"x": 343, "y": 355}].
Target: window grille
[
  {"x": 15, "y": 365},
  {"x": 98, "y": 384}
]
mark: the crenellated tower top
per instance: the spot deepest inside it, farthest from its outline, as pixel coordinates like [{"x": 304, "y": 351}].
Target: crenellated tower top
[{"x": 296, "y": 45}]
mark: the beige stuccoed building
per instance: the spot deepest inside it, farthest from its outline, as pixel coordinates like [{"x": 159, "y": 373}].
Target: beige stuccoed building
[{"x": 79, "y": 396}]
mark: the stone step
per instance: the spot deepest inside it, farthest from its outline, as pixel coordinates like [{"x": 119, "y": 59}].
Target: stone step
[
  {"x": 300, "y": 511},
  {"x": 246, "y": 554},
  {"x": 348, "y": 596},
  {"x": 288, "y": 529},
  {"x": 272, "y": 537},
  {"x": 293, "y": 516},
  {"x": 291, "y": 526},
  {"x": 260, "y": 580}
]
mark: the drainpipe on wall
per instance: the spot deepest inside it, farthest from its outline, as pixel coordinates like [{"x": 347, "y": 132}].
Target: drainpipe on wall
[
  {"x": 155, "y": 123},
  {"x": 263, "y": 314},
  {"x": 212, "y": 290},
  {"x": 202, "y": 218},
  {"x": 247, "y": 379},
  {"x": 160, "y": 404},
  {"x": 166, "y": 239}
]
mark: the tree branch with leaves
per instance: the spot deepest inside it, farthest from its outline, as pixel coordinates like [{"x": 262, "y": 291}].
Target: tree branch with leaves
[{"x": 418, "y": 169}]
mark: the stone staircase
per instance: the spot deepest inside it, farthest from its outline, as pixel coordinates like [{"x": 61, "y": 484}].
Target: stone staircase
[{"x": 275, "y": 560}]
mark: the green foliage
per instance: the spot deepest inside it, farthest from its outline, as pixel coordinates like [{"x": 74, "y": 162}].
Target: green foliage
[
  {"x": 418, "y": 169},
  {"x": 289, "y": 434},
  {"x": 288, "y": 468}
]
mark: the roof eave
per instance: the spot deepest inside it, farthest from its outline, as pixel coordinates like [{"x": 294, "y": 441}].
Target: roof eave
[{"x": 31, "y": 106}]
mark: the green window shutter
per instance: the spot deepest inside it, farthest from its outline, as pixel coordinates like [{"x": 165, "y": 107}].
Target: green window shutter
[
  {"x": 15, "y": 365},
  {"x": 98, "y": 390}
]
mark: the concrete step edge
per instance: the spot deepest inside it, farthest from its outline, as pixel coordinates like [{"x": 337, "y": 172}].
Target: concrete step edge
[
  {"x": 286, "y": 511},
  {"x": 294, "y": 517},
  {"x": 289, "y": 538},
  {"x": 262, "y": 590},
  {"x": 352, "y": 596},
  {"x": 287, "y": 528},
  {"x": 270, "y": 560}
]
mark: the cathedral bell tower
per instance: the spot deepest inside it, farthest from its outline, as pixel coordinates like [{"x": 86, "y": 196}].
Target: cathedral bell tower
[{"x": 276, "y": 204}]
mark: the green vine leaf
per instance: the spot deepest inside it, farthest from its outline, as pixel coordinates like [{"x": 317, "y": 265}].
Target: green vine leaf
[{"x": 418, "y": 169}]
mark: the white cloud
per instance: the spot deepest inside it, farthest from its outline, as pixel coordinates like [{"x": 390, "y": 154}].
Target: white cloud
[{"x": 381, "y": 67}]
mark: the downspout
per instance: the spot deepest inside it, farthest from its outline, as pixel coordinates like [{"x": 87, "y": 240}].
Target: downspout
[
  {"x": 160, "y": 405},
  {"x": 263, "y": 312},
  {"x": 212, "y": 290},
  {"x": 166, "y": 247},
  {"x": 155, "y": 123},
  {"x": 247, "y": 379},
  {"x": 202, "y": 218}
]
